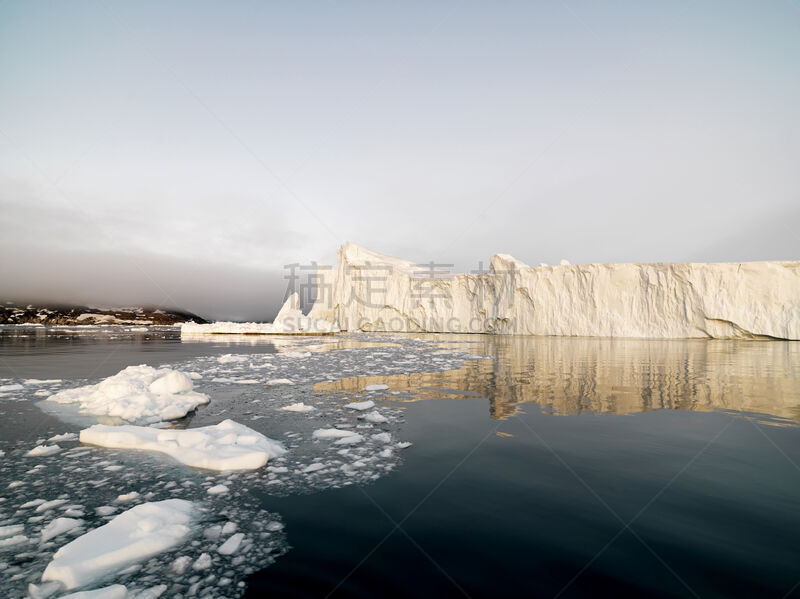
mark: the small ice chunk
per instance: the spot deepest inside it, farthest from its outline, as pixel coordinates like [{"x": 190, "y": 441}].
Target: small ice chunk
[
  {"x": 130, "y": 538},
  {"x": 43, "y": 450},
  {"x": 202, "y": 563},
  {"x": 231, "y": 546},
  {"x": 40, "y": 381},
  {"x": 115, "y": 591},
  {"x": 383, "y": 437},
  {"x": 217, "y": 490},
  {"x": 376, "y": 387},
  {"x": 13, "y": 387},
  {"x": 313, "y": 467},
  {"x": 376, "y": 417},
  {"x": 331, "y": 433},
  {"x": 180, "y": 564},
  {"x": 128, "y": 497},
  {"x": 229, "y": 528},
  {"x": 11, "y": 530},
  {"x": 43, "y": 591},
  {"x": 298, "y": 407},
  {"x": 361, "y": 405},
  {"x": 151, "y": 593},
  {"x": 64, "y": 437},
  {"x": 232, "y": 358},
  {"x": 350, "y": 440},
  {"x": 11, "y": 541},
  {"x": 212, "y": 533},
  {"x": 279, "y": 382},
  {"x": 105, "y": 510},
  {"x": 59, "y": 526},
  {"x": 402, "y": 444},
  {"x": 49, "y": 505}
]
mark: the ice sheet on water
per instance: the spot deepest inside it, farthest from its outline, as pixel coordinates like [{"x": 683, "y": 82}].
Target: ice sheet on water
[
  {"x": 22, "y": 389},
  {"x": 91, "y": 480},
  {"x": 291, "y": 414},
  {"x": 34, "y": 524}
]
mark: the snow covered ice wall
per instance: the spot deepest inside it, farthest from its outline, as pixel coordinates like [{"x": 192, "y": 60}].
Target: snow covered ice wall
[{"x": 369, "y": 291}]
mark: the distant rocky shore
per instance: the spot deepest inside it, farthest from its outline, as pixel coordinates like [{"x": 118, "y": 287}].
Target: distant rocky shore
[{"x": 11, "y": 313}]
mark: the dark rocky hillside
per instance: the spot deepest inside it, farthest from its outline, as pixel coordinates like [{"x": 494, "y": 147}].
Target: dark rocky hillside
[{"x": 77, "y": 315}]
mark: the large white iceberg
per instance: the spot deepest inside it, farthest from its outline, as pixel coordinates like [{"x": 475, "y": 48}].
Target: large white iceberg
[
  {"x": 133, "y": 536},
  {"x": 289, "y": 321},
  {"x": 225, "y": 446},
  {"x": 137, "y": 393},
  {"x": 369, "y": 291}
]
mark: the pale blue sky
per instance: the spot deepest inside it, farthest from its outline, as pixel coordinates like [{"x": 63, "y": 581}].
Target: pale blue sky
[{"x": 222, "y": 141}]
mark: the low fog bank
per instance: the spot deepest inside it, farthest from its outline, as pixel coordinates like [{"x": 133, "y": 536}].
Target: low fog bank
[{"x": 213, "y": 291}]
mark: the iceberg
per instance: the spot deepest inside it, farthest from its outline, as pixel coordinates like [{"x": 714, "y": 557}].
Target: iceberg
[
  {"x": 225, "y": 446},
  {"x": 368, "y": 291}
]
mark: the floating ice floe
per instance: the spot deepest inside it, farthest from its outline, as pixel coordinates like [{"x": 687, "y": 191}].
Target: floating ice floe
[
  {"x": 361, "y": 405},
  {"x": 298, "y": 407},
  {"x": 45, "y": 506},
  {"x": 225, "y": 446},
  {"x": 12, "y": 541},
  {"x": 289, "y": 321},
  {"x": 133, "y": 536},
  {"x": 59, "y": 526},
  {"x": 375, "y": 417},
  {"x": 137, "y": 393},
  {"x": 279, "y": 382},
  {"x": 376, "y": 387},
  {"x": 231, "y": 546},
  {"x": 343, "y": 437},
  {"x": 11, "y": 530},
  {"x": 331, "y": 433},
  {"x": 128, "y": 497},
  {"x": 115, "y": 591},
  {"x": 232, "y": 358},
  {"x": 218, "y": 490},
  {"x": 43, "y": 450}
]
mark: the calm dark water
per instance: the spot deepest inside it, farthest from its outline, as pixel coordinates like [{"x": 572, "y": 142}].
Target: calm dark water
[{"x": 558, "y": 468}]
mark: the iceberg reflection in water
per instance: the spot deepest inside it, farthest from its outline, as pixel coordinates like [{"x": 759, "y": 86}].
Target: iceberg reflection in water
[{"x": 569, "y": 375}]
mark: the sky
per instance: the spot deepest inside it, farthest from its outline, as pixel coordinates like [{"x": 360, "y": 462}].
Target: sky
[{"x": 182, "y": 154}]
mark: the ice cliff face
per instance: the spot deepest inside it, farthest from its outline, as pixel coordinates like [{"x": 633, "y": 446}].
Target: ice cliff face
[{"x": 368, "y": 291}]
